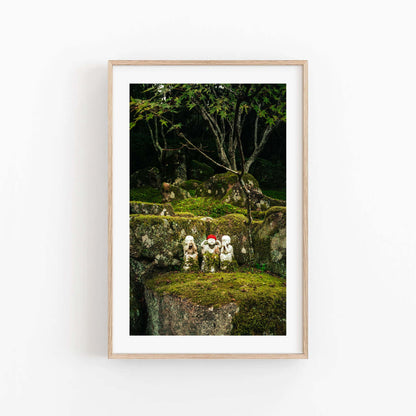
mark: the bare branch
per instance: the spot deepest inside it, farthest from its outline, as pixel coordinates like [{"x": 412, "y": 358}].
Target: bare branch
[{"x": 193, "y": 147}]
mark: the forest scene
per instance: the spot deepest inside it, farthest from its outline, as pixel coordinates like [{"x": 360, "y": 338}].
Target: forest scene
[{"x": 207, "y": 209}]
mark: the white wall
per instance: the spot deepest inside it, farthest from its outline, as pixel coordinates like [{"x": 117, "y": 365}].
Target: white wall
[{"x": 53, "y": 209}]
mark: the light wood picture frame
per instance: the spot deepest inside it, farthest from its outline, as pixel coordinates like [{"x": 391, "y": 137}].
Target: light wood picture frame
[{"x": 113, "y": 194}]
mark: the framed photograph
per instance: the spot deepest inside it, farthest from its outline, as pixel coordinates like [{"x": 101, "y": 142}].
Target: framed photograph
[{"x": 208, "y": 214}]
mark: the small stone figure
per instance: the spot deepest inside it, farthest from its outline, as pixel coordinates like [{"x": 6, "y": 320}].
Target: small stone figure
[
  {"x": 227, "y": 262},
  {"x": 190, "y": 254},
  {"x": 210, "y": 254}
]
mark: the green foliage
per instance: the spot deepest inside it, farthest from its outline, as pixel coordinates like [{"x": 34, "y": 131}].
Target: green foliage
[
  {"x": 146, "y": 194},
  {"x": 261, "y": 267},
  {"x": 224, "y": 108},
  {"x": 267, "y": 101},
  {"x": 260, "y": 296}
]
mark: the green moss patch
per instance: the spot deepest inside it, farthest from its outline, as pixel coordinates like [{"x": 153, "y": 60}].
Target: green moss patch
[
  {"x": 146, "y": 194},
  {"x": 190, "y": 184},
  {"x": 206, "y": 207},
  {"x": 184, "y": 214},
  {"x": 261, "y": 297}
]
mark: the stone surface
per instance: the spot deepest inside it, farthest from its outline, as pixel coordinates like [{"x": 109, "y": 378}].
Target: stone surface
[
  {"x": 159, "y": 239},
  {"x": 226, "y": 187},
  {"x": 170, "y": 315},
  {"x": 258, "y": 202},
  {"x": 146, "y": 208},
  {"x": 191, "y": 184},
  {"x": 180, "y": 303},
  {"x": 219, "y": 185},
  {"x": 139, "y": 272},
  {"x": 173, "y": 193}
]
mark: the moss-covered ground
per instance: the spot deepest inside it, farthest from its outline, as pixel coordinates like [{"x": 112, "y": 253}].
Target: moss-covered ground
[
  {"x": 210, "y": 207},
  {"x": 146, "y": 194},
  {"x": 261, "y": 297},
  {"x": 206, "y": 207},
  {"x": 200, "y": 206}
]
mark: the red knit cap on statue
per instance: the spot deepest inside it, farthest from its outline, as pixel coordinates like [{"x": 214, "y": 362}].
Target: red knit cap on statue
[{"x": 211, "y": 236}]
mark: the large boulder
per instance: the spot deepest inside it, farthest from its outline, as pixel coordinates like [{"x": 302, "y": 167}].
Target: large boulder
[
  {"x": 159, "y": 239},
  {"x": 269, "y": 240},
  {"x": 146, "y": 177},
  {"x": 219, "y": 185},
  {"x": 170, "y": 315},
  {"x": 227, "y": 188},
  {"x": 191, "y": 184},
  {"x": 236, "y": 303},
  {"x": 151, "y": 208}
]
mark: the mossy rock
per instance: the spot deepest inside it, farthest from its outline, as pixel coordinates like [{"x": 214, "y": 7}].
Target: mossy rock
[
  {"x": 191, "y": 184},
  {"x": 269, "y": 240},
  {"x": 145, "y": 208},
  {"x": 201, "y": 171},
  {"x": 202, "y": 206},
  {"x": 159, "y": 239},
  {"x": 227, "y": 188},
  {"x": 175, "y": 193},
  {"x": 195, "y": 304},
  {"x": 258, "y": 215},
  {"x": 273, "y": 202},
  {"x": 185, "y": 214},
  {"x": 219, "y": 185},
  {"x": 258, "y": 202}
]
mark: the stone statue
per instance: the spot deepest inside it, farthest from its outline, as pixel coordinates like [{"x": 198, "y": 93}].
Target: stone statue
[
  {"x": 190, "y": 254},
  {"x": 210, "y": 254},
  {"x": 227, "y": 262}
]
